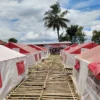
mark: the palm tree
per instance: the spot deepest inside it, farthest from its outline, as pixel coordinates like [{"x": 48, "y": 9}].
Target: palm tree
[{"x": 54, "y": 18}]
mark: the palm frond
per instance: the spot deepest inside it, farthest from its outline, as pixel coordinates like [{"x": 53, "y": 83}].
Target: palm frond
[
  {"x": 55, "y": 8},
  {"x": 63, "y": 24},
  {"x": 65, "y": 20},
  {"x": 55, "y": 19},
  {"x": 64, "y": 13}
]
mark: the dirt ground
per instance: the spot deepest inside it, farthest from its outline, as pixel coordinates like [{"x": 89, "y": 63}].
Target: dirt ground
[{"x": 46, "y": 81}]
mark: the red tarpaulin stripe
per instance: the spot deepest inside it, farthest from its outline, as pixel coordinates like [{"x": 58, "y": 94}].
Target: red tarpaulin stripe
[
  {"x": 67, "y": 48},
  {"x": 92, "y": 67},
  {"x": 77, "y": 65},
  {"x": 95, "y": 69},
  {"x": 90, "y": 46},
  {"x": 98, "y": 72},
  {"x": 39, "y": 56},
  {"x": 36, "y": 58},
  {"x": 20, "y": 67},
  {"x": 76, "y": 51},
  {"x": 73, "y": 45},
  {"x": 0, "y": 81}
]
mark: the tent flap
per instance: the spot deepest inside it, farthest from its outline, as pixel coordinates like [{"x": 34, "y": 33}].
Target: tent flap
[
  {"x": 78, "y": 51},
  {"x": 20, "y": 67},
  {"x": 77, "y": 65},
  {"x": 95, "y": 69}
]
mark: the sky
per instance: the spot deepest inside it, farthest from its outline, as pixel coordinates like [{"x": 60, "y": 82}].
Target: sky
[{"x": 23, "y": 19}]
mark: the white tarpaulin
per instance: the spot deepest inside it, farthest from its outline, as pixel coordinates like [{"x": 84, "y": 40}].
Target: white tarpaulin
[
  {"x": 88, "y": 84},
  {"x": 82, "y": 80},
  {"x": 16, "y": 49},
  {"x": 45, "y": 54},
  {"x": 70, "y": 59},
  {"x": 33, "y": 58},
  {"x": 9, "y": 70},
  {"x": 43, "y": 50},
  {"x": 27, "y": 50},
  {"x": 68, "y": 55}
]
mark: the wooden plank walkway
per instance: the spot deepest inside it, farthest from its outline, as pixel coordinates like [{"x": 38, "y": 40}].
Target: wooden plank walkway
[{"x": 47, "y": 81}]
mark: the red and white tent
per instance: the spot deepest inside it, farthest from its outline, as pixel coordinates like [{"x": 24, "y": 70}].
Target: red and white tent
[
  {"x": 33, "y": 56},
  {"x": 69, "y": 54},
  {"x": 45, "y": 52},
  {"x": 13, "y": 69},
  {"x": 62, "y": 52},
  {"x": 87, "y": 76}
]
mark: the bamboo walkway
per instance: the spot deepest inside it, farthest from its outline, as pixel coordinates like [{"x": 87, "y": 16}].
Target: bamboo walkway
[{"x": 47, "y": 81}]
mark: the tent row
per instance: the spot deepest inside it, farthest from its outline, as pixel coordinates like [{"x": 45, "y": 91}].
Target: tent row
[
  {"x": 15, "y": 59},
  {"x": 86, "y": 69},
  {"x": 34, "y": 53},
  {"x": 68, "y": 54}
]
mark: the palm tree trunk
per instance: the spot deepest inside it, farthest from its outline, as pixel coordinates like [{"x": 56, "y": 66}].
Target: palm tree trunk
[{"x": 58, "y": 34}]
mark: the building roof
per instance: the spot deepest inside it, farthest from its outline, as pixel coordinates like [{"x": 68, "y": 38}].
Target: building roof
[{"x": 43, "y": 43}]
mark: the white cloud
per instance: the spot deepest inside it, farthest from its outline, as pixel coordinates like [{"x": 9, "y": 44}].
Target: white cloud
[
  {"x": 6, "y": 33},
  {"x": 30, "y": 36},
  {"x": 86, "y": 3},
  {"x": 88, "y": 33},
  {"x": 64, "y": 2},
  {"x": 29, "y": 15},
  {"x": 84, "y": 18},
  {"x": 96, "y": 27},
  {"x": 87, "y": 19},
  {"x": 23, "y": 19}
]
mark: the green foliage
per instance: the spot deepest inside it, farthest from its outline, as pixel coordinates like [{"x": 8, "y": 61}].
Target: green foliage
[
  {"x": 96, "y": 36},
  {"x": 76, "y": 34},
  {"x": 12, "y": 40},
  {"x": 80, "y": 35},
  {"x": 54, "y": 18},
  {"x": 81, "y": 38},
  {"x": 64, "y": 37},
  {"x": 71, "y": 31}
]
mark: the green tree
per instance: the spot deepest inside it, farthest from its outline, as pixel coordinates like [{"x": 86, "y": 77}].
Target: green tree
[
  {"x": 76, "y": 34},
  {"x": 80, "y": 35},
  {"x": 63, "y": 37},
  {"x": 55, "y": 18},
  {"x": 12, "y": 40},
  {"x": 71, "y": 31},
  {"x": 96, "y": 36}
]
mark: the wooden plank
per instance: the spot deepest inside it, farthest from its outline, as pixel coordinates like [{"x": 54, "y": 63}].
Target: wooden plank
[{"x": 46, "y": 81}]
